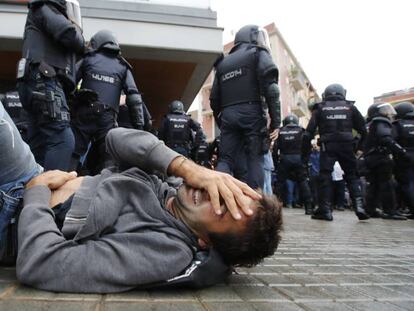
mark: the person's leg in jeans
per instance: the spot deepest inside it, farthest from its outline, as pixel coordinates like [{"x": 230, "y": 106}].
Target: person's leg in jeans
[{"x": 17, "y": 167}]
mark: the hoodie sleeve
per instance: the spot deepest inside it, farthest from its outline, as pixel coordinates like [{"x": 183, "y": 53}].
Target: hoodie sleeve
[{"x": 139, "y": 148}]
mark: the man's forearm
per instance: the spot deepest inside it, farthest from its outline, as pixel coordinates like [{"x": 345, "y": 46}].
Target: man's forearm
[{"x": 139, "y": 148}]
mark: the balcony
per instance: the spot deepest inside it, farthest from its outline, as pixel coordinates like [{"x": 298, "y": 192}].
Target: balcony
[
  {"x": 296, "y": 79},
  {"x": 300, "y": 109}
]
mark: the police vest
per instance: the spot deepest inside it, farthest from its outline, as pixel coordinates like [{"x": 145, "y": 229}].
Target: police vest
[
  {"x": 14, "y": 108},
  {"x": 372, "y": 143},
  {"x": 179, "y": 132},
  {"x": 406, "y": 133},
  {"x": 335, "y": 123},
  {"x": 104, "y": 73},
  {"x": 290, "y": 139},
  {"x": 202, "y": 154},
  {"x": 238, "y": 77}
]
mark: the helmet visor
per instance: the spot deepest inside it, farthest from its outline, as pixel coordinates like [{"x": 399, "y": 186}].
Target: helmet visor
[
  {"x": 387, "y": 110},
  {"x": 263, "y": 38},
  {"x": 73, "y": 12}
]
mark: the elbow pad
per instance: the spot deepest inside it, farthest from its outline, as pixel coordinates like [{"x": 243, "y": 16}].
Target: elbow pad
[
  {"x": 136, "y": 112},
  {"x": 272, "y": 94}
]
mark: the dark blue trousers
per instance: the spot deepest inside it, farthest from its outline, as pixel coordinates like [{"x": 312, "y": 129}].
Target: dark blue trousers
[{"x": 241, "y": 142}]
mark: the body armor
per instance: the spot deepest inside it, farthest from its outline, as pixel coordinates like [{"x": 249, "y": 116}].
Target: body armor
[
  {"x": 106, "y": 74},
  {"x": 336, "y": 121},
  {"x": 405, "y": 130},
  {"x": 178, "y": 130},
  {"x": 290, "y": 139},
  {"x": 238, "y": 79}
]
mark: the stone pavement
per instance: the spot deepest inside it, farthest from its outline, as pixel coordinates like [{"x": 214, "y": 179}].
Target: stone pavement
[{"x": 339, "y": 265}]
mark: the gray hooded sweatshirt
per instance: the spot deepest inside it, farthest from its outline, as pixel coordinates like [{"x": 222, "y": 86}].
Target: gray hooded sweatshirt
[{"x": 117, "y": 234}]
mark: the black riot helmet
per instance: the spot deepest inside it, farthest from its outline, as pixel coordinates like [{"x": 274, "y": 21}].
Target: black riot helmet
[
  {"x": 104, "y": 39},
  {"x": 177, "y": 107},
  {"x": 381, "y": 110},
  {"x": 70, "y": 8},
  {"x": 405, "y": 110},
  {"x": 290, "y": 119},
  {"x": 253, "y": 34},
  {"x": 334, "y": 92}
]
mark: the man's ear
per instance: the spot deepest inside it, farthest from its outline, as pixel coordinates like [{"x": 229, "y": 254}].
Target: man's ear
[{"x": 203, "y": 244}]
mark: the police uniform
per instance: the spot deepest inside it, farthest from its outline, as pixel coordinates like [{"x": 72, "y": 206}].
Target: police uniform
[
  {"x": 335, "y": 118},
  {"x": 45, "y": 75},
  {"x": 379, "y": 147},
  {"x": 242, "y": 79},
  {"x": 404, "y": 168},
  {"x": 105, "y": 74},
  {"x": 176, "y": 131},
  {"x": 202, "y": 154},
  {"x": 13, "y": 106},
  {"x": 287, "y": 153}
]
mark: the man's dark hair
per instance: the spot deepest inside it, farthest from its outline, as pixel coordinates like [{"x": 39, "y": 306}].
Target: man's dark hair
[{"x": 259, "y": 240}]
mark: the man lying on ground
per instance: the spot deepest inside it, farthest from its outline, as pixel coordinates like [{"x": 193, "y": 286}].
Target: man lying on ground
[{"x": 128, "y": 228}]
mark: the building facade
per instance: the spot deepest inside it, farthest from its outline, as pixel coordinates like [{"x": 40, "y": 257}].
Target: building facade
[
  {"x": 296, "y": 90},
  {"x": 396, "y": 96},
  {"x": 172, "y": 44}
]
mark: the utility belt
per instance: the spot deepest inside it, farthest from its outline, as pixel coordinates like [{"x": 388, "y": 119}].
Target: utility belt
[
  {"x": 93, "y": 110},
  {"x": 50, "y": 106},
  {"x": 250, "y": 102}
]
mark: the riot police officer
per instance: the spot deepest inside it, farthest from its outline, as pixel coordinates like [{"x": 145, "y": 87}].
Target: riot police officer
[
  {"x": 287, "y": 152},
  {"x": 404, "y": 135},
  {"x": 336, "y": 117},
  {"x": 379, "y": 146},
  {"x": 12, "y": 104},
  {"x": 104, "y": 74},
  {"x": 202, "y": 153},
  {"x": 52, "y": 39},
  {"x": 177, "y": 128},
  {"x": 242, "y": 79}
]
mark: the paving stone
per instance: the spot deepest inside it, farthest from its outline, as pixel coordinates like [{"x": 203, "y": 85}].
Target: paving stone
[
  {"x": 380, "y": 292},
  {"x": 405, "y": 305},
  {"x": 406, "y": 289},
  {"x": 301, "y": 292},
  {"x": 3, "y": 288},
  {"x": 242, "y": 279},
  {"x": 375, "y": 306},
  {"x": 140, "y": 306},
  {"x": 343, "y": 292},
  {"x": 285, "y": 306},
  {"x": 225, "y": 306},
  {"x": 137, "y": 295},
  {"x": 218, "y": 293},
  {"x": 24, "y": 292},
  {"x": 256, "y": 293},
  {"x": 17, "y": 305},
  {"x": 173, "y": 295},
  {"x": 325, "y": 306},
  {"x": 7, "y": 274},
  {"x": 276, "y": 279}
]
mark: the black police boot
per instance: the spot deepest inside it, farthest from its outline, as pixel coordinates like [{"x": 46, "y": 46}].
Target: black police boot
[
  {"x": 393, "y": 216},
  {"x": 308, "y": 208},
  {"x": 358, "y": 205},
  {"x": 323, "y": 212}
]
